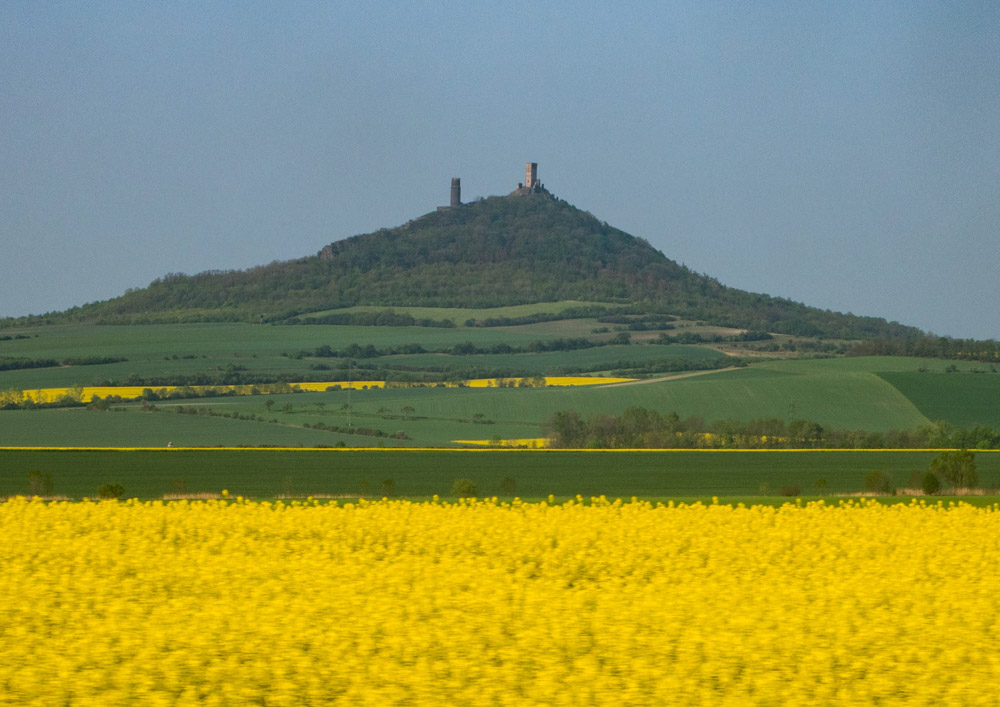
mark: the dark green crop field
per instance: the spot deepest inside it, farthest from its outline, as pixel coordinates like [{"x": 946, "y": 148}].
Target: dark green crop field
[
  {"x": 962, "y": 399},
  {"x": 423, "y": 473}
]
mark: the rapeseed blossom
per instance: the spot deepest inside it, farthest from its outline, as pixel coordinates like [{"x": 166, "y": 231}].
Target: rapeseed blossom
[
  {"x": 85, "y": 394},
  {"x": 230, "y": 602}
]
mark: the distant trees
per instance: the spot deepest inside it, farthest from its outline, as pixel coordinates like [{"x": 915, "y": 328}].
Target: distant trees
[
  {"x": 987, "y": 351},
  {"x": 641, "y": 428}
]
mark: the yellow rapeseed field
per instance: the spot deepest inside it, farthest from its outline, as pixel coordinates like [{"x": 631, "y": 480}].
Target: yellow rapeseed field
[
  {"x": 481, "y": 603},
  {"x": 526, "y": 442},
  {"x": 132, "y": 392}
]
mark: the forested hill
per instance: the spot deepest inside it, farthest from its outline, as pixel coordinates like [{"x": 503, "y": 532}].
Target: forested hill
[{"x": 498, "y": 251}]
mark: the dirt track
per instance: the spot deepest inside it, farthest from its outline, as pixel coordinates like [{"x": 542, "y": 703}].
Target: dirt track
[{"x": 689, "y": 374}]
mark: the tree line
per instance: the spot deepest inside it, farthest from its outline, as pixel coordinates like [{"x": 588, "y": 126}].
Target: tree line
[
  {"x": 985, "y": 351},
  {"x": 641, "y": 428}
]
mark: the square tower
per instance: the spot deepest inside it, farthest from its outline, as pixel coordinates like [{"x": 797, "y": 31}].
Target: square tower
[{"x": 530, "y": 174}]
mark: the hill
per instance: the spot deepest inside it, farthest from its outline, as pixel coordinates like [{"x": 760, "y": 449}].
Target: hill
[{"x": 517, "y": 249}]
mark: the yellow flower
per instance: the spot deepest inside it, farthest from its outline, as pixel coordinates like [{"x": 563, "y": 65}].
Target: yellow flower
[{"x": 588, "y": 602}]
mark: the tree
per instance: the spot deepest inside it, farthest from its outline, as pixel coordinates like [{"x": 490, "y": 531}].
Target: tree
[
  {"x": 40, "y": 482},
  {"x": 878, "y": 482},
  {"x": 464, "y": 488},
  {"x": 566, "y": 429},
  {"x": 958, "y": 468},
  {"x": 930, "y": 484},
  {"x": 269, "y": 403},
  {"x": 111, "y": 491},
  {"x": 508, "y": 486}
]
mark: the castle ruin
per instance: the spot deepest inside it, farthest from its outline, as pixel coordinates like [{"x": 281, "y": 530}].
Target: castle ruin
[
  {"x": 531, "y": 184},
  {"x": 456, "y": 194}
]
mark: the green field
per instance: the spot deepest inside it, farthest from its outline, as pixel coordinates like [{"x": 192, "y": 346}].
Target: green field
[
  {"x": 876, "y": 394},
  {"x": 600, "y": 358},
  {"x": 837, "y": 393},
  {"x": 257, "y": 473},
  {"x": 187, "y": 349},
  {"x": 964, "y": 400},
  {"x": 460, "y": 314}
]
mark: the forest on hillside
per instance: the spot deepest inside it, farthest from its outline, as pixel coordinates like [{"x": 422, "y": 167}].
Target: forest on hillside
[{"x": 489, "y": 253}]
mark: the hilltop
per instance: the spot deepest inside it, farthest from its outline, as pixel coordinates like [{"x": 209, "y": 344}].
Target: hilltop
[{"x": 526, "y": 247}]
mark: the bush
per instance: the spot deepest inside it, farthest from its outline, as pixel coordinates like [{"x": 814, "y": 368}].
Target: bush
[
  {"x": 40, "y": 482},
  {"x": 930, "y": 483},
  {"x": 791, "y": 490},
  {"x": 878, "y": 482},
  {"x": 388, "y": 487},
  {"x": 508, "y": 487},
  {"x": 108, "y": 491},
  {"x": 464, "y": 488},
  {"x": 957, "y": 468}
]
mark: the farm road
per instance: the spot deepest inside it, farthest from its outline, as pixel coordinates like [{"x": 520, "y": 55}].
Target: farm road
[{"x": 678, "y": 376}]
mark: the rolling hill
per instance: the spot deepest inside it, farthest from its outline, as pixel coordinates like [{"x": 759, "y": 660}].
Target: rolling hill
[{"x": 509, "y": 250}]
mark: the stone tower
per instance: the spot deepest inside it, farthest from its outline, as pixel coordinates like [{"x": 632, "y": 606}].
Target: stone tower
[
  {"x": 531, "y": 185},
  {"x": 456, "y": 192}
]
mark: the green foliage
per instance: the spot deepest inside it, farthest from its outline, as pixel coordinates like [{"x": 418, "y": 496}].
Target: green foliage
[
  {"x": 494, "y": 252},
  {"x": 110, "y": 491},
  {"x": 639, "y": 428},
  {"x": 958, "y": 468},
  {"x": 464, "y": 488},
  {"x": 986, "y": 351},
  {"x": 878, "y": 481},
  {"x": 930, "y": 483},
  {"x": 388, "y": 487},
  {"x": 8, "y": 363},
  {"x": 791, "y": 490},
  {"x": 39, "y": 482},
  {"x": 508, "y": 486}
]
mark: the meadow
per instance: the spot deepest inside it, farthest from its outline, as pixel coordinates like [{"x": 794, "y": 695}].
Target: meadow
[
  {"x": 149, "y": 474},
  {"x": 397, "y": 603}
]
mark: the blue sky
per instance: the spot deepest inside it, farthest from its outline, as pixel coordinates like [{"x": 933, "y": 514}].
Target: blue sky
[{"x": 846, "y": 155}]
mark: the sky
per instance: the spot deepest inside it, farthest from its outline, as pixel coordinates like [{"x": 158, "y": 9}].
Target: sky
[{"x": 845, "y": 155}]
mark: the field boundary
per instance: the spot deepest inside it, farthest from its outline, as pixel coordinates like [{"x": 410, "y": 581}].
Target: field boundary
[
  {"x": 480, "y": 450},
  {"x": 664, "y": 379}
]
